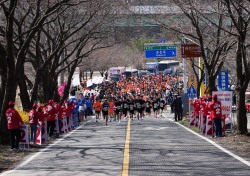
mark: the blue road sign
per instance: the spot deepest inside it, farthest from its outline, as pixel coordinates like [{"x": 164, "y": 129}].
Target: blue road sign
[
  {"x": 191, "y": 93},
  {"x": 223, "y": 80},
  {"x": 170, "y": 53}
]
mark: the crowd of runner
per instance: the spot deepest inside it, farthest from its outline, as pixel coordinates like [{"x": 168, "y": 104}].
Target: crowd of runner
[{"x": 133, "y": 97}]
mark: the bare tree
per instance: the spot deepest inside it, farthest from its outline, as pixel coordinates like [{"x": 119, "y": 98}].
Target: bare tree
[
  {"x": 238, "y": 12},
  {"x": 17, "y": 43},
  {"x": 215, "y": 43}
]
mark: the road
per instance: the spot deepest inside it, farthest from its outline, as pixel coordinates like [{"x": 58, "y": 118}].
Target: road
[{"x": 156, "y": 147}]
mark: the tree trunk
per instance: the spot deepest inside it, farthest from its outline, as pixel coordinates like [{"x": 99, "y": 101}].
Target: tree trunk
[
  {"x": 46, "y": 88},
  {"x": 91, "y": 74},
  {"x": 2, "y": 88},
  {"x": 10, "y": 94},
  {"x": 24, "y": 95},
  {"x": 212, "y": 84},
  {"x": 3, "y": 73},
  {"x": 80, "y": 76},
  {"x": 67, "y": 87},
  {"x": 82, "y": 72},
  {"x": 56, "y": 96},
  {"x": 198, "y": 88},
  {"x": 242, "y": 83},
  {"x": 102, "y": 73},
  {"x": 49, "y": 86},
  {"x": 11, "y": 81},
  {"x": 34, "y": 96},
  {"x": 241, "y": 111}
]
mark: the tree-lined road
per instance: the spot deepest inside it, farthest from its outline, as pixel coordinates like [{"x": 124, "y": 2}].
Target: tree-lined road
[{"x": 157, "y": 147}]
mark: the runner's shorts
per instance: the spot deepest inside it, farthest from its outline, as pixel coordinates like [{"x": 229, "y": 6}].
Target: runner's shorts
[
  {"x": 139, "y": 110},
  {"x": 131, "y": 111},
  {"x": 117, "y": 112},
  {"x": 97, "y": 112},
  {"x": 148, "y": 110},
  {"x": 125, "y": 112},
  {"x": 104, "y": 113}
]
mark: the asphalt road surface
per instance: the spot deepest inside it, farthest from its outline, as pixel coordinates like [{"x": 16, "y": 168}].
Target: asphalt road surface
[{"x": 156, "y": 147}]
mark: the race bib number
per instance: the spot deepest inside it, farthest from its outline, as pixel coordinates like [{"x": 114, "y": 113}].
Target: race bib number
[
  {"x": 155, "y": 105},
  {"x": 9, "y": 119}
]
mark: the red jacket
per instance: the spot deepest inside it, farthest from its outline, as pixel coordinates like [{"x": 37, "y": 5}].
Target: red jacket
[
  {"x": 205, "y": 108},
  {"x": 63, "y": 112},
  {"x": 51, "y": 113},
  {"x": 14, "y": 120},
  {"x": 69, "y": 109},
  {"x": 214, "y": 108},
  {"x": 196, "y": 106},
  {"x": 59, "y": 113},
  {"x": 33, "y": 117},
  {"x": 41, "y": 116}
]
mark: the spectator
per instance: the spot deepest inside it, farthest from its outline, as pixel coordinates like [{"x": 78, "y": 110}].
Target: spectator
[
  {"x": 215, "y": 113},
  {"x": 177, "y": 108},
  {"x": 33, "y": 120},
  {"x": 51, "y": 117},
  {"x": 14, "y": 121}
]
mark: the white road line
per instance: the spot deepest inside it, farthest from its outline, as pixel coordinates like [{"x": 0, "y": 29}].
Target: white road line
[
  {"x": 43, "y": 150},
  {"x": 217, "y": 145}
]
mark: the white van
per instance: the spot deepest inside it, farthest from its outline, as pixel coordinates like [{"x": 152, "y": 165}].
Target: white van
[
  {"x": 130, "y": 73},
  {"x": 115, "y": 73}
]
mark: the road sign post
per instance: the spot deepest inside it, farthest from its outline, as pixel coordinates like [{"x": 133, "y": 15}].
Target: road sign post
[{"x": 191, "y": 93}]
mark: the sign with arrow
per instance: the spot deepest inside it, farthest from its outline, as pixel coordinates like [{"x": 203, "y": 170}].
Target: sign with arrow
[
  {"x": 156, "y": 50},
  {"x": 191, "y": 93}
]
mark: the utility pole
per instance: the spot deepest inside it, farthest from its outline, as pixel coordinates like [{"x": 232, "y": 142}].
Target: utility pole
[{"x": 184, "y": 70}]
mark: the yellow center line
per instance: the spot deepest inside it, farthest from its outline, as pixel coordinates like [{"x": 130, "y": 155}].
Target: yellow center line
[{"x": 125, "y": 165}]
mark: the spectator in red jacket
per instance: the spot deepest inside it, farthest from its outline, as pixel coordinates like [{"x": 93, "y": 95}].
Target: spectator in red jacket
[
  {"x": 196, "y": 105},
  {"x": 40, "y": 113},
  {"x": 68, "y": 108},
  {"x": 216, "y": 114},
  {"x": 51, "y": 117},
  {"x": 33, "y": 120},
  {"x": 14, "y": 121}
]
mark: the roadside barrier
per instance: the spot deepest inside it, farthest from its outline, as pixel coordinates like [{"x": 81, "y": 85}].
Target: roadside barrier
[
  {"x": 192, "y": 119},
  {"x": 41, "y": 134},
  {"x": 70, "y": 124},
  {"x": 209, "y": 126},
  {"x": 24, "y": 138},
  {"x": 64, "y": 126},
  {"x": 202, "y": 123},
  {"x": 56, "y": 129}
]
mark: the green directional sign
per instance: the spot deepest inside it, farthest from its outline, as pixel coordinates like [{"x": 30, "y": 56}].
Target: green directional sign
[
  {"x": 152, "y": 47},
  {"x": 160, "y": 50}
]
